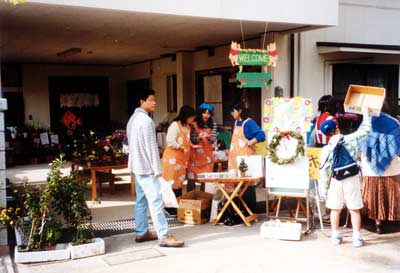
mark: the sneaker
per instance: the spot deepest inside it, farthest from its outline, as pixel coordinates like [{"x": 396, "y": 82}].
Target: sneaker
[
  {"x": 148, "y": 236},
  {"x": 336, "y": 240},
  {"x": 358, "y": 241},
  {"x": 170, "y": 241}
]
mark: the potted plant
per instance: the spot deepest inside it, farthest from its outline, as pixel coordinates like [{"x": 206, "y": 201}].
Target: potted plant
[
  {"x": 243, "y": 168},
  {"x": 69, "y": 201},
  {"x": 63, "y": 196},
  {"x": 40, "y": 227}
]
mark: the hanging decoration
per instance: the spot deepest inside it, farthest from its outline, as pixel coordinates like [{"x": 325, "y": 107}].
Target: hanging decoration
[
  {"x": 278, "y": 140},
  {"x": 253, "y": 57},
  {"x": 287, "y": 114}
]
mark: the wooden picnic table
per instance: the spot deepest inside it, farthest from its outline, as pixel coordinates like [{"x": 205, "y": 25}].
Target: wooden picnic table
[{"x": 105, "y": 169}]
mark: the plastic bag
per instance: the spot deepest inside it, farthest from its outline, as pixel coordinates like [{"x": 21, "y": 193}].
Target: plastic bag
[{"x": 167, "y": 193}]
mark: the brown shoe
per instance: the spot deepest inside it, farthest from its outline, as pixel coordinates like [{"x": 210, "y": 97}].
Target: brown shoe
[
  {"x": 148, "y": 236},
  {"x": 170, "y": 241}
]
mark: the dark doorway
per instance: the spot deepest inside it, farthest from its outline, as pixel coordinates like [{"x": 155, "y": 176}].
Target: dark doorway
[
  {"x": 134, "y": 87},
  {"x": 14, "y": 116},
  {"x": 86, "y": 97},
  {"x": 230, "y": 94},
  {"x": 386, "y": 76}
]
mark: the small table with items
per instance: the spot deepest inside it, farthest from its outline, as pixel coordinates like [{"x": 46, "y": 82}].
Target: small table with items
[
  {"x": 240, "y": 185},
  {"x": 106, "y": 169}
]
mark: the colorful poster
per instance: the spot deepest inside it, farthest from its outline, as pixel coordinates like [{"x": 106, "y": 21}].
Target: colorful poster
[
  {"x": 314, "y": 155},
  {"x": 287, "y": 114}
]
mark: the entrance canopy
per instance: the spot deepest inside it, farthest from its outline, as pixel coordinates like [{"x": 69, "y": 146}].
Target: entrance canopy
[{"x": 128, "y": 32}]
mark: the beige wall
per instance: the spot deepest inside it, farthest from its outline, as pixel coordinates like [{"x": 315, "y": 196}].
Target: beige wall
[
  {"x": 187, "y": 64},
  {"x": 360, "y": 21},
  {"x": 157, "y": 71},
  {"x": 36, "y": 90},
  {"x": 284, "y": 11}
]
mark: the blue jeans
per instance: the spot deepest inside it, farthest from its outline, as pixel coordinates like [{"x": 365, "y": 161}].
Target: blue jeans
[{"x": 148, "y": 194}]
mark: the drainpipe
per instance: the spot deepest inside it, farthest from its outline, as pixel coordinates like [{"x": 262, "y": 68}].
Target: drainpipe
[{"x": 291, "y": 64}]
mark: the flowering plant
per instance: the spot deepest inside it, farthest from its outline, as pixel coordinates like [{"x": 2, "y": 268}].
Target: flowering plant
[
  {"x": 93, "y": 150},
  {"x": 10, "y": 216}
]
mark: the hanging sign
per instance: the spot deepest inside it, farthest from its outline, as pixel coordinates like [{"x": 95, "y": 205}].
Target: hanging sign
[
  {"x": 248, "y": 79},
  {"x": 247, "y": 57},
  {"x": 253, "y": 57}
]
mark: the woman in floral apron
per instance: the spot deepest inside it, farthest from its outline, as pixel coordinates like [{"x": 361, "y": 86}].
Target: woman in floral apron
[
  {"x": 203, "y": 134},
  {"x": 176, "y": 154},
  {"x": 246, "y": 134}
]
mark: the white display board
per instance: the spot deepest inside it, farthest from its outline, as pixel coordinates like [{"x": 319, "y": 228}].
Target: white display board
[
  {"x": 290, "y": 176},
  {"x": 255, "y": 164}
]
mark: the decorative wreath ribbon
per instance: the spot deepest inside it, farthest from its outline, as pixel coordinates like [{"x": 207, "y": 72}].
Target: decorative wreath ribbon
[{"x": 276, "y": 141}]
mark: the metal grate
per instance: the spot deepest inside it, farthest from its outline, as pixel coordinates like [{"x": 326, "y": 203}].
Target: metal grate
[{"x": 125, "y": 226}]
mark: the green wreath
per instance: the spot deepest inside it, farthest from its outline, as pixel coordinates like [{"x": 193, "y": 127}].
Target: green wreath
[{"x": 275, "y": 142}]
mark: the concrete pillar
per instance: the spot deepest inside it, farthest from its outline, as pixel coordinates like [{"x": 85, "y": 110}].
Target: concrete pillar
[
  {"x": 185, "y": 79},
  {"x": 3, "y": 201}
]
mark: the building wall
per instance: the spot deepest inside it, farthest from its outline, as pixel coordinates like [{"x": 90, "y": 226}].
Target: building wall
[
  {"x": 285, "y": 11},
  {"x": 35, "y": 79},
  {"x": 36, "y": 90},
  {"x": 360, "y": 21}
]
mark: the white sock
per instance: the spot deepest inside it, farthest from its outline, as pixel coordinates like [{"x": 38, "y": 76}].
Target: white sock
[
  {"x": 356, "y": 234},
  {"x": 335, "y": 233}
]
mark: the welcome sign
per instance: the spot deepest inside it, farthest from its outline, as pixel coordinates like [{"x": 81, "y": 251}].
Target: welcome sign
[
  {"x": 247, "y": 79},
  {"x": 253, "y": 57}
]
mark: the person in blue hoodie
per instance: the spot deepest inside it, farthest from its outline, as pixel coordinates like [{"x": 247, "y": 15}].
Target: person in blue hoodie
[{"x": 381, "y": 171}]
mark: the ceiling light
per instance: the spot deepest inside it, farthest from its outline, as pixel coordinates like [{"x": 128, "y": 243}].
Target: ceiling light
[{"x": 69, "y": 52}]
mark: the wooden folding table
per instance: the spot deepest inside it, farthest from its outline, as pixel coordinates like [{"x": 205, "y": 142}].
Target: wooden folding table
[{"x": 240, "y": 185}]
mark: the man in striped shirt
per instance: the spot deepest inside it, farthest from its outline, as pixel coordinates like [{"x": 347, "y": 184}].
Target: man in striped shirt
[{"x": 144, "y": 163}]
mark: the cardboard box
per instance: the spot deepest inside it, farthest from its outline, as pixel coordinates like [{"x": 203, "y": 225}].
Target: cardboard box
[
  {"x": 359, "y": 95},
  {"x": 194, "y": 207},
  {"x": 281, "y": 230}
]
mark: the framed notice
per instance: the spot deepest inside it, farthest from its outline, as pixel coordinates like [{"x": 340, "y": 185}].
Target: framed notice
[{"x": 44, "y": 138}]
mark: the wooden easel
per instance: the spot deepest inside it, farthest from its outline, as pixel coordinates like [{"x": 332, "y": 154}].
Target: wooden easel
[{"x": 296, "y": 218}]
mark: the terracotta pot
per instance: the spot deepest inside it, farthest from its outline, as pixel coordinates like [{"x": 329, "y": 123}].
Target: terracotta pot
[{"x": 242, "y": 174}]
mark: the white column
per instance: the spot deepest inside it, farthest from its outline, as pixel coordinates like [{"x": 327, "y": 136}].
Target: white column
[{"x": 3, "y": 201}]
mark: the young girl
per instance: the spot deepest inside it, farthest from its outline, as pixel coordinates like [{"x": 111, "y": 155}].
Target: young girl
[
  {"x": 176, "y": 154},
  {"x": 203, "y": 134},
  {"x": 326, "y": 106},
  {"x": 246, "y": 134}
]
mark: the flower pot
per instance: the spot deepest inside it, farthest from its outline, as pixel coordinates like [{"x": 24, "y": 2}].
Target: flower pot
[
  {"x": 61, "y": 252},
  {"x": 20, "y": 238},
  {"x": 96, "y": 247},
  {"x": 242, "y": 174}
]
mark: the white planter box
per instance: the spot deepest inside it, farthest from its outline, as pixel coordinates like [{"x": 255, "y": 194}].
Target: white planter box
[
  {"x": 281, "y": 230},
  {"x": 96, "y": 247},
  {"x": 62, "y": 252}
]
